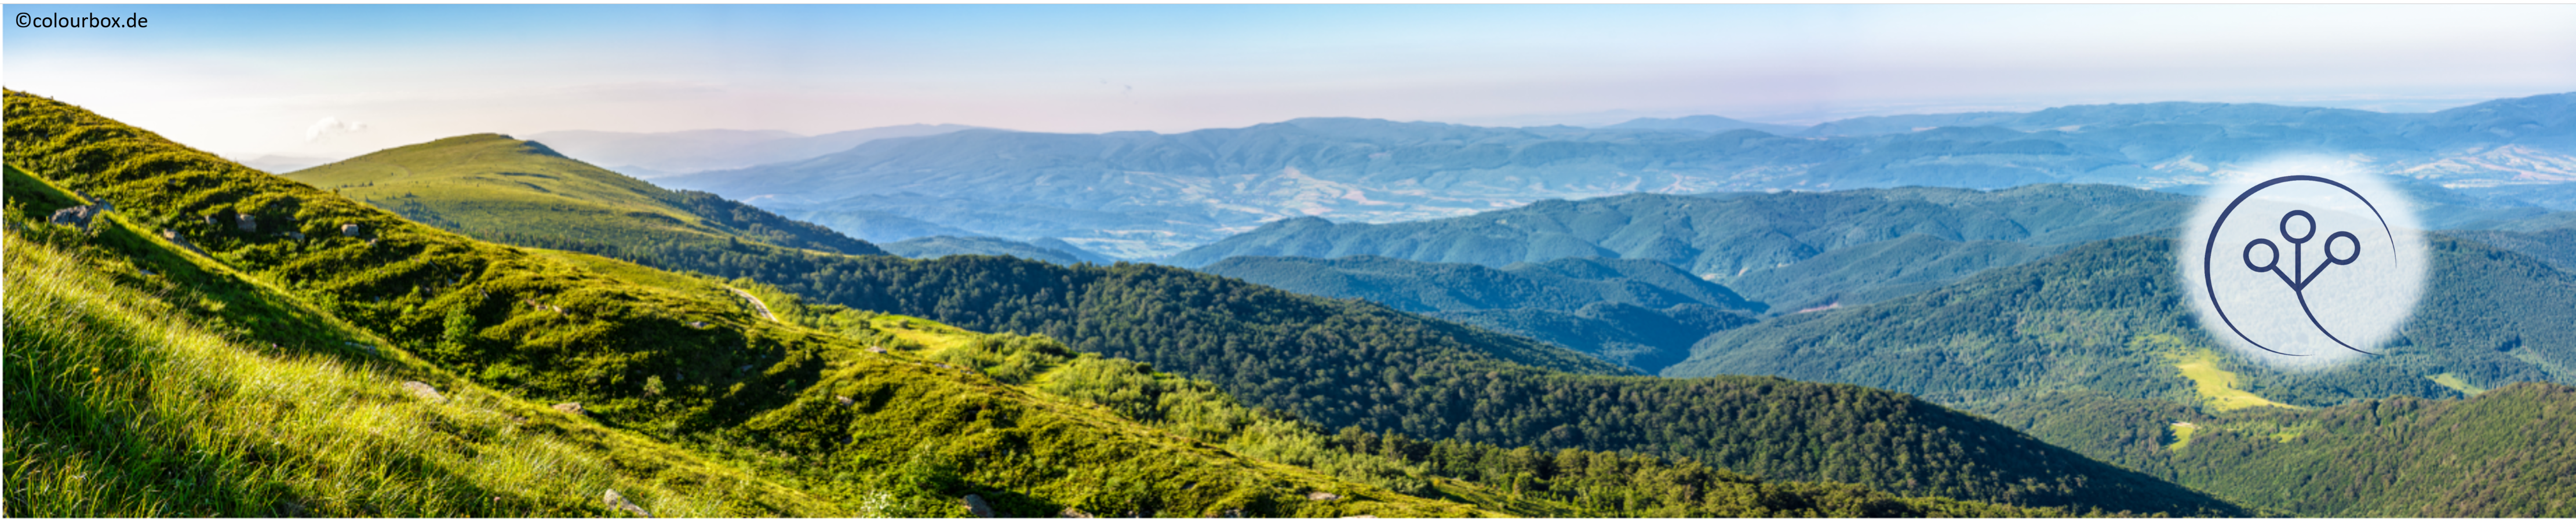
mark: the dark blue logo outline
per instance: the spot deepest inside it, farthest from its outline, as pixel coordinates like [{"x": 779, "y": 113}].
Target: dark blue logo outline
[{"x": 2298, "y": 283}]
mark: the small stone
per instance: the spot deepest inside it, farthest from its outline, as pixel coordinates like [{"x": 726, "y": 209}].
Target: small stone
[
  {"x": 572, "y": 408},
  {"x": 76, "y": 217},
  {"x": 351, "y": 230},
  {"x": 1072, "y": 513},
  {"x": 975, "y": 503},
  {"x": 1322, "y": 496},
  {"x": 293, "y": 235},
  {"x": 425, "y": 392},
  {"x": 619, "y": 502},
  {"x": 845, "y": 400},
  {"x": 246, "y": 223}
]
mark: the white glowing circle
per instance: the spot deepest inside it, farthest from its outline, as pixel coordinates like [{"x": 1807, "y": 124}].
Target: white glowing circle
[{"x": 2304, "y": 263}]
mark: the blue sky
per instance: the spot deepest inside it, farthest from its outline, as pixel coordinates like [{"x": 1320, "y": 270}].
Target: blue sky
[{"x": 247, "y": 80}]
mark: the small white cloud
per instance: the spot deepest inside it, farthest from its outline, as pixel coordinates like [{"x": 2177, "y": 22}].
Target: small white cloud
[{"x": 331, "y": 125}]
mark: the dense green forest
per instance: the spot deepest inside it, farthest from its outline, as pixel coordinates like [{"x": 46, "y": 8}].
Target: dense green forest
[
  {"x": 2109, "y": 316},
  {"x": 1423, "y": 287},
  {"x": 1637, "y": 313},
  {"x": 1522, "y": 481},
  {"x": 2501, "y": 453},
  {"x": 2093, "y": 349},
  {"x": 1791, "y": 250},
  {"x": 667, "y": 386}
]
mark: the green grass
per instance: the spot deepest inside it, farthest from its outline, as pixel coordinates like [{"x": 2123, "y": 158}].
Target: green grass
[
  {"x": 121, "y": 404},
  {"x": 2217, "y": 386},
  {"x": 2182, "y": 432},
  {"x": 2456, "y": 383}
]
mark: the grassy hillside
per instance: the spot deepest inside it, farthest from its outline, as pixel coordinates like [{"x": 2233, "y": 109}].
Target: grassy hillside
[
  {"x": 513, "y": 191},
  {"x": 662, "y": 360},
  {"x": 147, "y": 381},
  {"x": 1637, "y": 313}
]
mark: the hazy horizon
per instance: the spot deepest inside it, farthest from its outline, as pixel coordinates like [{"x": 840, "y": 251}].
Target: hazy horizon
[{"x": 330, "y": 81}]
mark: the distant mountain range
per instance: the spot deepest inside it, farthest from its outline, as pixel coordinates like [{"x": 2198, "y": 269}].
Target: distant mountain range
[
  {"x": 1049, "y": 250},
  {"x": 1143, "y": 195},
  {"x": 1791, "y": 250},
  {"x": 279, "y": 164},
  {"x": 659, "y": 154}
]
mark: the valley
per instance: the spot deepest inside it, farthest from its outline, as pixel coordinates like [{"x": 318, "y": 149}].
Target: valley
[{"x": 1882, "y": 352}]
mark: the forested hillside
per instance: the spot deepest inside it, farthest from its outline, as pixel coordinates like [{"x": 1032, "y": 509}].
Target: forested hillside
[
  {"x": 1349, "y": 363},
  {"x": 2093, "y": 349},
  {"x": 1864, "y": 244},
  {"x": 1638, "y": 313},
  {"x": 1521, "y": 481},
  {"x": 2101, "y": 316},
  {"x": 663, "y": 382}
]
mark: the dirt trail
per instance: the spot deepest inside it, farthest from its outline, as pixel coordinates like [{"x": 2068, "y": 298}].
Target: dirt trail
[{"x": 756, "y": 304}]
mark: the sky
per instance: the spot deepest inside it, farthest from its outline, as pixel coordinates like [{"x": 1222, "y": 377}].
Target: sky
[{"x": 335, "y": 81}]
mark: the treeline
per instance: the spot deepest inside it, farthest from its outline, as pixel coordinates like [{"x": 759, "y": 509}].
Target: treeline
[
  {"x": 2075, "y": 320},
  {"x": 1524, "y": 481}
]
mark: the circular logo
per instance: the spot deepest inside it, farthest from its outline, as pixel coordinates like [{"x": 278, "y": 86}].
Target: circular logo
[{"x": 2305, "y": 268}]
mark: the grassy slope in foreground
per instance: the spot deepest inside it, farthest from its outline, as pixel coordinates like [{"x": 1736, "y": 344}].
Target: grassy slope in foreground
[
  {"x": 144, "y": 381},
  {"x": 684, "y": 367},
  {"x": 492, "y": 186}
]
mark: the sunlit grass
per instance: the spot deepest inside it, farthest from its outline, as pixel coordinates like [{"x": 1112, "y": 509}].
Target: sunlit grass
[
  {"x": 2456, "y": 383},
  {"x": 117, "y": 409},
  {"x": 2218, "y": 387}
]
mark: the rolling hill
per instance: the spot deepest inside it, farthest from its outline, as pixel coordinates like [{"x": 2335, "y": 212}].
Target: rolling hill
[
  {"x": 296, "y": 312},
  {"x": 521, "y": 192},
  {"x": 1346, "y": 364}
]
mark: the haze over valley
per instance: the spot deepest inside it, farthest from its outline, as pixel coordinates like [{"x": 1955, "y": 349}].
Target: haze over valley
[{"x": 1668, "y": 261}]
